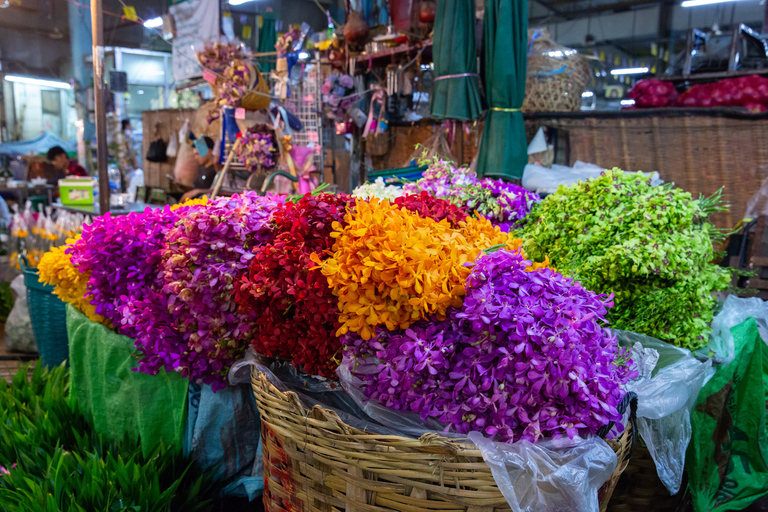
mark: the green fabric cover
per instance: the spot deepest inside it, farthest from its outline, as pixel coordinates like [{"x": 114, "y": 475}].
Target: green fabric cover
[
  {"x": 267, "y": 40},
  {"x": 503, "y": 150},
  {"x": 122, "y": 403},
  {"x": 454, "y": 52},
  {"x": 727, "y": 459}
]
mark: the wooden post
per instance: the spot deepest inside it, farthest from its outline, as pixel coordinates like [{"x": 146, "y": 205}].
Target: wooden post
[{"x": 97, "y": 27}]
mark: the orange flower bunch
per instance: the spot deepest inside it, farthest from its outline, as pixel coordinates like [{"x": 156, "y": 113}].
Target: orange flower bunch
[{"x": 392, "y": 267}]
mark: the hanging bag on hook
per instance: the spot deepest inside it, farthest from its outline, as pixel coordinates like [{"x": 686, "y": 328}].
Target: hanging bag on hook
[{"x": 157, "y": 149}]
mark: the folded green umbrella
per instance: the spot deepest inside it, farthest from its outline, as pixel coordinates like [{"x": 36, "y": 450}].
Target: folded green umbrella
[
  {"x": 456, "y": 90},
  {"x": 503, "y": 150}
]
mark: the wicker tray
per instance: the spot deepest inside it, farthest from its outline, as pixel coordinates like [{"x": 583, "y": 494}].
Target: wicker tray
[{"x": 314, "y": 462}]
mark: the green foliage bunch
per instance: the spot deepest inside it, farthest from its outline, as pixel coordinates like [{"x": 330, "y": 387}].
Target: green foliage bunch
[
  {"x": 55, "y": 462},
  {"x": 651, "y": 246}
]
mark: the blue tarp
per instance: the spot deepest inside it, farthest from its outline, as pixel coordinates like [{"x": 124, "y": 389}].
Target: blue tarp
[{"x": 38, "y": 145}]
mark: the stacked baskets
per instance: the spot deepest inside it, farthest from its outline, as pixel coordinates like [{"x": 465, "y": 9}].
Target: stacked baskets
[{"x": 314, "y": 462}]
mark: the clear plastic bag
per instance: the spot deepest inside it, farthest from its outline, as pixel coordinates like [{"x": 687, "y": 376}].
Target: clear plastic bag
[
  {"x": 18, "y": 327},
  {"x": 669, "y": 383},
  {"x": 734, "y": 311},
  {"x": 556, "y": 476}
]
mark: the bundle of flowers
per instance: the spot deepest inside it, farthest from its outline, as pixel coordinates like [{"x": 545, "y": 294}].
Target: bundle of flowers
[
  {"x": 649, "y": 245},
  {"x": 257, "y": 150},
  {"x": 70, "y": 285},
  {"x": 427, "y": 205},
  {"x": 235, "y": 83},
  {"x": 203, "y": 257},
  {"x": 392, "y": 267},
  {"x": 336, "y": 89},
  {"x": 505, "y": 204},
  {"x": 217, "y": 56},
  {"x": 296, "y": 315},
  {"x": 523, "y": 358},
  {"x": 121, "y": 255},
  {"x": 378, "y": 189}
]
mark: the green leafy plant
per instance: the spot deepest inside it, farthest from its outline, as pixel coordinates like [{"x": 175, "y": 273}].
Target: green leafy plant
[
  {"x": 6, "y": 300},
  {"x": 649, "y": 245},
  {"x": 55, "y": 462}
]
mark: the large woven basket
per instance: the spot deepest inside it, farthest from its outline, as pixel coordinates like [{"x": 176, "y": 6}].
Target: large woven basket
[
  {"x": 48, "y": 316},
  {"x": 314, "y": 462}
]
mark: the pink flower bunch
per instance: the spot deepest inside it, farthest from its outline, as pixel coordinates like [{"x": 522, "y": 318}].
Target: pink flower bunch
[{"x": 205, "y": 254}]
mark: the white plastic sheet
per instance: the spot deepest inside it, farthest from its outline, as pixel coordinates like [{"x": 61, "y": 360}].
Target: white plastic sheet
[
  {"x": 669, "y": 383},
  {"x": 735, "y": 310}
]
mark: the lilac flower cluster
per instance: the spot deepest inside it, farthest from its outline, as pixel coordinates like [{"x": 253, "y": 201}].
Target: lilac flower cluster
[
  {"x": 205, "y": 253},
  {"x": 525, "y": 357},
  {"x": 257, "y": 151},
  {"x": 122, "y": 255},
  {"x": 505, "y": 204}
]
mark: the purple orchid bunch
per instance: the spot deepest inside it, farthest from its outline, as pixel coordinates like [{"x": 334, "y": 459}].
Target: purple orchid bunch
[
  {"x": 525, "y": 357},
  {"x": 122, "y": 255},
  {"x": 335, "y": 90},
  {"x": 236, "y": 82},
  {"x": 217, "y": 56},
  {"x": 257, "y": 151},
  {"x": 504, "y": 204},
  {"x": 205, "y": 254}
]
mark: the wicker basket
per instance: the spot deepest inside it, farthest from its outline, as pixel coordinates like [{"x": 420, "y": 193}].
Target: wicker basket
[
  {"x": 48, "y": 316},
  {"x": 314, "y": 462},
  {"x": 556, "y": 77}
]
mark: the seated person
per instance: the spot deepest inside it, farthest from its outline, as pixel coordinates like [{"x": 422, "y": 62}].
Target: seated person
[
  {"x": 62, "y": 165},
  {"x": 206, "y": 172}
]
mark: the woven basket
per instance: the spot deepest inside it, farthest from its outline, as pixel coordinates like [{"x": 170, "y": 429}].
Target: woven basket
[
  {"x": 314, "y": 462},
  {"x": 555, "y": 77},
  {"x": 48, "y": 316}
]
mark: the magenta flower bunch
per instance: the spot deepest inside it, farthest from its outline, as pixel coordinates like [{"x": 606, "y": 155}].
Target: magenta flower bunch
[
  {"x": 205, "y": 254},
  {"x": 122, "y": 255},
  {"x": 525, "y": 357}
]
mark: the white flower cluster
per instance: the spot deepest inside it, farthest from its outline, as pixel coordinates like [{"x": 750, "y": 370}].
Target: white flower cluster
[{"x": 378, "y": 189}]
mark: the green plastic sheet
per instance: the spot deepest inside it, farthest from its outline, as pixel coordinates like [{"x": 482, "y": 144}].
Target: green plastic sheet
[
  {"x": 267, "y": 40},
  {"x": 122, "y": 403},
  {"x": 727, "y": 459},
  {"x": 503, "y": 150},
  {"x": 454, "y": 54}
]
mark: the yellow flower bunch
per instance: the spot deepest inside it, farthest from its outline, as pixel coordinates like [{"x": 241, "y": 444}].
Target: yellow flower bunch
[
  {"x": 392, "y": 267},
  {"x": 56, "y": 268},
  {"x": 33, "y": 256},
  {"x": 191, "y": 202}
]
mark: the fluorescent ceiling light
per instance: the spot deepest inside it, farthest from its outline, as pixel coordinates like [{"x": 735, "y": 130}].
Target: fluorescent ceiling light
[
  {"x": 303, "y": 55},
  {"x": 696, "y": 3},
  {"x": 37, "y": 81},
  {"x": 154, "y": 22},
  {"x": 238, "y": 2},
  {"x": 628, "y": 103},
  {"x": 629, "y": 71},
  {"x": 587, "y": 94}
]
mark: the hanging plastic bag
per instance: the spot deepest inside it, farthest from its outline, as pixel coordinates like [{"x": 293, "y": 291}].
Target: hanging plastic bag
[
  {"x": 185, "y": 170},
  {"x": 726, "y": 464},
  {"x": 669, "y": 382},
  {"x": 173, "y": 147},
  {"x": 735, "y": 310},
  {"x": 18, "y": 327}
]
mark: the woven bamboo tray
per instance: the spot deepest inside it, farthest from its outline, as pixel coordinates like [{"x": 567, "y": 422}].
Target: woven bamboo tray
[{"x": 314, "y": 462}]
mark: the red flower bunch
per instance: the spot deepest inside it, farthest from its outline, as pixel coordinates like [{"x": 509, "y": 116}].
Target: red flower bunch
[
  {"x": 298, "y": 314},
  {"x": 429, "y": 206}
]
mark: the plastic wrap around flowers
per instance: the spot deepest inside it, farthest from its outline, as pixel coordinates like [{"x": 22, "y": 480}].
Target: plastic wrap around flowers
[
  {"x": 524, "y": 357},
  {"x": 336, "y": 90},
  {"x": 257, "y": 151},
  {"x": 505, "y": 204}
]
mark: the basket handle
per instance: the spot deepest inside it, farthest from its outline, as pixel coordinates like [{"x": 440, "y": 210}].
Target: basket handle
[{"x": 24, "y": 263}]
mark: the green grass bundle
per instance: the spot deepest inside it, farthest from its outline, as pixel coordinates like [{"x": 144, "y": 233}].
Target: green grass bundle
[{"x": 649, "y": 245}]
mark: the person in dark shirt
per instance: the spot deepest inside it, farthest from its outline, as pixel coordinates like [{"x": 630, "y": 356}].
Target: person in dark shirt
[{"x": 61, "y": 163}]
